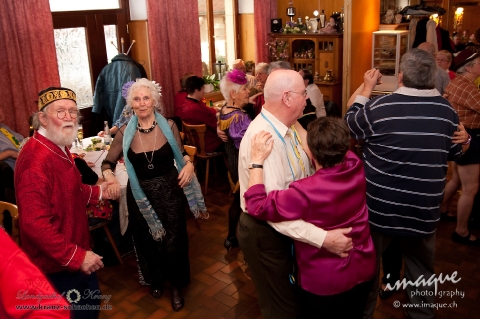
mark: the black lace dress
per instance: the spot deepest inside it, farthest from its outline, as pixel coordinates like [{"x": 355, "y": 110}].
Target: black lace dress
[{"x": 166, "y": 260}]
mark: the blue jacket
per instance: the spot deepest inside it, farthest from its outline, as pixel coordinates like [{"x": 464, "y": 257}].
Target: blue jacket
[{"x": 108, "y": 89}]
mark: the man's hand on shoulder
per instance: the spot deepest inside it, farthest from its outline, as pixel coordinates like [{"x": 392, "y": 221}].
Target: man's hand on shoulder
[
  {"x": 91, "y": 263},
  {"x": 336, "y": 242}
]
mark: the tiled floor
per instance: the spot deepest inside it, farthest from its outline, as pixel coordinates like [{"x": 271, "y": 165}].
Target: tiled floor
[{"x": 220, "y": 285}]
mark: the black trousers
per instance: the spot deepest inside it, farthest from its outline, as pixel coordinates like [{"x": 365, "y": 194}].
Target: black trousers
[
  {"x": 418, "y": 254},
  {"x": 81, "y": 289},
  {"x": 349, "y": 304},
  {"x": 392, "y": 263},
  {"x": 234, "y": 213},
  {"x": 269, "y": 256}
]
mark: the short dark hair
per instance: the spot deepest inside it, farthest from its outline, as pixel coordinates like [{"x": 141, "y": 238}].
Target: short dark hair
[
  {"x": 194, "y": 83},
  {"x": 183, "y": 80},
  {"x": 307, "y": 75},
  {"x": 328, "y": 139}
]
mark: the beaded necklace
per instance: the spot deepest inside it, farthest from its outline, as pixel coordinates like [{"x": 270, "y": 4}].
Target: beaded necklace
[{"x": 146, "y": 130}]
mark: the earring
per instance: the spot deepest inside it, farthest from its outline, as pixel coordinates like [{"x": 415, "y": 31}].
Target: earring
[{"x": 233, "y": 102}]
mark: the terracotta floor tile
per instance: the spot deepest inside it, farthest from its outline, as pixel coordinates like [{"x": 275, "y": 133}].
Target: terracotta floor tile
[
  {"x": 159, "y": 314},
  {"x": 143, "y": 291},
  {"x": 140, "y": 314},
  {"x": 214, "y": 268},
  {"x": 206, "y": 301},
  {"x": 233, "y": 287},
  {"x": 223, "y": 277},
  {"x": 207, "y": 279},
  {"x": 119, "y": 315},
  {"x": 231, "y": 267},
  {"x": 200, "y": 312},
  {"x": 215, "y": 288},
  {"x": 127, "y": 306},
  {"x": 225, "y": 299},
  {"x": 218, "y": 311},
  {"x": 196, "y": 290},
  {"x": 147, "y": 305}
]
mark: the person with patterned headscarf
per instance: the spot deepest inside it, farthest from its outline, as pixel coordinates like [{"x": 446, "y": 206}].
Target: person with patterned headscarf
[{"x": 9, "y": 143}]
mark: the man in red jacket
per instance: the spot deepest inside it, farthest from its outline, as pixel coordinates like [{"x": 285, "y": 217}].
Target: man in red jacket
[{"x": 52, "y": 199}]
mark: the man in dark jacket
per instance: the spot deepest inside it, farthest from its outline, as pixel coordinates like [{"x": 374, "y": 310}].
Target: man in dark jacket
[{"x": 108, "y": 89}]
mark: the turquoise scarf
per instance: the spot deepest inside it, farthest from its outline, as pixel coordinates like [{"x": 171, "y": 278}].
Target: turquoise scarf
[{"x": 192, "y": 190}]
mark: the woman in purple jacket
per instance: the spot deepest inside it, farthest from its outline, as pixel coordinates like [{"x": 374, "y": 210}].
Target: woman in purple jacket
[{"x": 334, "y": 197}]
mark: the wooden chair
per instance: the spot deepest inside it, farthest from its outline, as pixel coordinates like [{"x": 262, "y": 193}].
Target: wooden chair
[
  {"x": 13, "y": 210},
  {"x": 196, "y": 137},
  {"x": 104, "y": 225}
]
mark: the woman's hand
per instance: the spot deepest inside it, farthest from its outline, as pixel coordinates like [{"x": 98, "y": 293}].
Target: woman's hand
[
  {"x": 460, "y": 136},
  {"x": 110, "y": 190},
  {"x": 186, "y": 175},
  {"x": 262, "y": 145}
]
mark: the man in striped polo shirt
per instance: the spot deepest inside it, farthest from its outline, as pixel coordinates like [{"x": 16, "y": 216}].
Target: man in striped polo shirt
[{"x": 408, "y": 140}]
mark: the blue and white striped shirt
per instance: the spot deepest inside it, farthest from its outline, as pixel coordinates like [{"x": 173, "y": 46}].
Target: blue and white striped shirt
[{"x": 408, "y": 140}]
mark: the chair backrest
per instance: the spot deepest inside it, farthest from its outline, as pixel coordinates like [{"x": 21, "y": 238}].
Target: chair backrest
[
  {"x": 13, "y": 210},
  {"x": 191, "y": 151},
  {"x": 196, "y": 136}
]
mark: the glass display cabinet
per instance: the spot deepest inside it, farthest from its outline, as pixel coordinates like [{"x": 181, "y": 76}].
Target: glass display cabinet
[{"x": 388, "y": 48}]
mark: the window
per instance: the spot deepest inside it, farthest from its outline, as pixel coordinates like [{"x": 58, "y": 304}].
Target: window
[
  {"x": 217, "y": 33},
  {"x": 73, "y": 64},
  {"x": 83, "y": 39},
  {"x": 86, "y": 41},
  {"x": 78, "y": 5}
]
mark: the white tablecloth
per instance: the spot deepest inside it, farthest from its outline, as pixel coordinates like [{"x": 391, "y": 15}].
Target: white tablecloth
[{"x": 97, "y": 157}]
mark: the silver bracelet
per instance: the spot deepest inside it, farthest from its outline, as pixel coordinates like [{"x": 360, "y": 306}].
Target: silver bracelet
[{"x": 106, "y": 172}]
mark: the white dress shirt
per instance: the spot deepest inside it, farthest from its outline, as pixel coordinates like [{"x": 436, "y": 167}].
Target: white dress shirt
[
  {"x": 278, "y": 173},
  {"x": 316, "y": 97}
]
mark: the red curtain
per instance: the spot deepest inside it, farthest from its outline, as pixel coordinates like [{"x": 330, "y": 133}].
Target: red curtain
[
  {"x": 263, "y": 11},
  {"x": 174, "y": 40},
  {"x": 28, "y": 59}
]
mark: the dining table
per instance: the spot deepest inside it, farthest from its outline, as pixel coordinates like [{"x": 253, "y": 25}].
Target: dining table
[{"x": 95, "y": 158}]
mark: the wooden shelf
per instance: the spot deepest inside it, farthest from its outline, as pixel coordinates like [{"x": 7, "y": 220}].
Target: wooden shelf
[{"x": 296, "y": 60}]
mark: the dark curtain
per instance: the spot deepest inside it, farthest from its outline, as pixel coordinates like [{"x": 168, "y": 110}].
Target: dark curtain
[
  {"x": 174, "y": 40},
  {"x": 28, "y": 58},
  {"x": 263, "y": 11}
]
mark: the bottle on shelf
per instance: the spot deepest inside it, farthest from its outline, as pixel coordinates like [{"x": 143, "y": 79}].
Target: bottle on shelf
[
  {"x": 107, "y": 138},
  {"x": 322, "y": 19}
]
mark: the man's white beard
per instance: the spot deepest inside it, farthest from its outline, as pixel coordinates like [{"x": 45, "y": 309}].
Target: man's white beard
[{"x": 58, "y": 137}]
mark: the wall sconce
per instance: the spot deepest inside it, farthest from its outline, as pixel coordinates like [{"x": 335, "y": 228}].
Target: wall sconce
[{"x": 458, "y": 18}]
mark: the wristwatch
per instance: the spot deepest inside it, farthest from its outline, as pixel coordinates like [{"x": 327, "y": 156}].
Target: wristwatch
[{"x": 251, "y": 165}]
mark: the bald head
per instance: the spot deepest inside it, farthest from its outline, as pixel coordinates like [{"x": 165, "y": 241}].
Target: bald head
[
  {"x": 281, "y": 81},
  {"x": 284, "y": 97},
  {"x": 239, "y": 65},
  {"x": 427, "y": 47}
]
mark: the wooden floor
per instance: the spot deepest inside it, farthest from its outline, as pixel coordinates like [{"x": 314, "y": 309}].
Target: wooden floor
[{"x": 221, "y": 288}]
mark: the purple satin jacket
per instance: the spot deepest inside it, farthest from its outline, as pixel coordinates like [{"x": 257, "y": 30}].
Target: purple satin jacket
[{"x": 332, "y": 198}]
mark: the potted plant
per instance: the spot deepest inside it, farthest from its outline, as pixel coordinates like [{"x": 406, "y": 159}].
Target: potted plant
[{"x": 210, "y": 83}]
